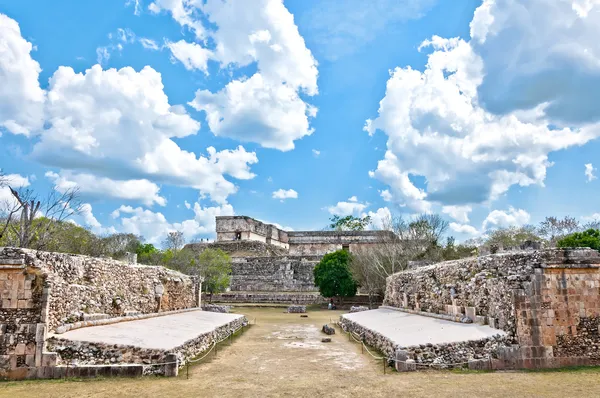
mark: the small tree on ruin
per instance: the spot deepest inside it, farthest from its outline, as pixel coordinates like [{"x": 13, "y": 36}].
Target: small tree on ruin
[
  {"x": 333, "y": 277},
  {"x": 214, "y": 265}
]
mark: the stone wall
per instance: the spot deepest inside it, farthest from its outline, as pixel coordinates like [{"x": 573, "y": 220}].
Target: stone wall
[
  {"x": 274, "y": 274},
  {"x": 82, "y": 285},
  {"x": 547, "y": 301},
  {"x": 240, "y": 248},
  {"x": 23, "y": 313},
  {"x": 231, "y": 228},
  {"x": 267, "y": 298},
  {"x": 319, "y": 243}
]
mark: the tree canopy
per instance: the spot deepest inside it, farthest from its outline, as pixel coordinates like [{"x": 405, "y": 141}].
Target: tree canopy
[
  {"x": 589, "y": 238},
  {"x": 349, "y": 223},
  {"x": 333, "y": 276},
  {"x": 215, "y": 266}
]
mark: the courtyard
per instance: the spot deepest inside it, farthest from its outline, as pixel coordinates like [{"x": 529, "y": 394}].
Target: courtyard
[{"x": 282, "y": 355}]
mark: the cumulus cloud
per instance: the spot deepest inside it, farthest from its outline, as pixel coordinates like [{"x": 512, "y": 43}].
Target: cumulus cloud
[
  {"x": 15, "y": 181},
  {"x": 284, "y": 194},
  {"x": 154, "y": 226},
  {"x": 446, "y": 125},
  {"x": 459, "y": 213},
  {"x": 90, "y": 221},
  {"x": 267, "y": 107},
  {"x": 351, "y": 207},
  {"x": 119, "y": 123},
  {"x": 316, "y": 153},
  {"x": 503, "y": 219},
  {"x": 589, "y": 172},
  {"x": 21, "y": 98},
  {"x": 464, "y": 229},
  {"x": 91, "y": 186},
  {"x": 379, "y": 219}
]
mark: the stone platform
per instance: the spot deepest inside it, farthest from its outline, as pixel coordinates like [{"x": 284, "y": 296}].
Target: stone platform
[
  {"x": 407, "y": 330},
  {"x": 162, "y": 333},
  {"x": 146, "y": 341}
]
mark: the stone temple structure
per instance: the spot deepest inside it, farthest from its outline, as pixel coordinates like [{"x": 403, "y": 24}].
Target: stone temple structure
[{"x": 274, "y": 265}]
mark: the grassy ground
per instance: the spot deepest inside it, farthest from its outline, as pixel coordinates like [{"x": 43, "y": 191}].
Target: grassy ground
[{"x": 283, "y": 355}]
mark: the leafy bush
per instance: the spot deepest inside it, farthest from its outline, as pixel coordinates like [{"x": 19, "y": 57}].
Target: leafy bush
[
  {"x": 589, "y": 238},
  {"x": 333, "y": 276}
]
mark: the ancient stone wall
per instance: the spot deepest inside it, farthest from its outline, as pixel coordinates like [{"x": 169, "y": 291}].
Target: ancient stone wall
[
  {"x": 240, "y": 248},
  {"x": 275, "y": 274},
  {"x": 82, "y": 285},
  {"x": 547, "y": 301},
  {"x": 231, "y": 228},
  {"x": 319, "y": 243}
]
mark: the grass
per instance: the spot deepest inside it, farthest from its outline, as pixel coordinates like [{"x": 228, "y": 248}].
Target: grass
[{"x": 282, "y": 356}]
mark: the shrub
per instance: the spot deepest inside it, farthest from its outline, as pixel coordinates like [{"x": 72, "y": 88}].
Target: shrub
[{"x": 589, "y": 238}]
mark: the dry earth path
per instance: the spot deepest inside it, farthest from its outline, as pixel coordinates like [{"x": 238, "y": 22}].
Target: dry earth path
[{"x": 283, "y": 356}]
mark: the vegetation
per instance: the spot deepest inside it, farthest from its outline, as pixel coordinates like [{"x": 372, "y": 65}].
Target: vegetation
[
  {"x": 214, "y": 265},
  {"x": 29, "y": 219},
  {"x": 589, "y": 238},
  {"x": 349, "y": 223},
  {"x": 333, "y": 276}
]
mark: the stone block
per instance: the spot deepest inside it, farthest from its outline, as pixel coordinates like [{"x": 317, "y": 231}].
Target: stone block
[
  {"x": 470, "y": 313},
  {"x": 49, "y": 359},
  {"x": 480, "y": 364},
  {"x": 20, "y": 349}
]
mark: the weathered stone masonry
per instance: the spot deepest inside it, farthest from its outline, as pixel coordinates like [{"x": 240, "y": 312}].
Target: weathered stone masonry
[
  {"x": 547, "y": 301},
  {"x": 41, "y": 291}
]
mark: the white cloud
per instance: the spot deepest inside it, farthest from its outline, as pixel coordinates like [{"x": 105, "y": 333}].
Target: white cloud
[
  {"x": 351, "y": 207},
  {"x": 503, "y": 219},
  {"x": 90, "y": 221},
  {"x": 459, "y": 213},
  {"x": 91, "y": 186},
  {"x": 191, "y": 55},
  {"x": 341, "y": 27},
  {"x": 15, "y": 181},
  {"x": 119, "y": 123},
  {"x": 265, "y": 108},
  {"x": 187, "y": 204},
  {"x": 285, "y": 194},
  {"x": 21, "y": 98},
  {"x": 316, "y": 153},
  {"x": 379, "y": 218},
  {"x": 464, "y": 229},
  {"x": 149, "y": 44},
  {"x": 446, "y": 124},
  {"x": 528, "y": 44},
  {"x": 256, "y": 110},
  {"x": 589, "y": 172},
  {"x": 137, "y": 7},
  {"x": 154, "y": 226},
  {"x": 182, "y": 11}
]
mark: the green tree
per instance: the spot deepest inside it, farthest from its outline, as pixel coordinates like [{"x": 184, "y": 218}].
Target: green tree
[
  {"x": 589, "y": 238},
  {"x": 214, "y": 265},
  {"x": 349, "y": 223},
  {"x": 333, "y": 276}
]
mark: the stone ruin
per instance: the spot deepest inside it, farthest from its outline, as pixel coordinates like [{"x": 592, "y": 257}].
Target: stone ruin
[
  {"x": 271, "y": 265},
  {"x": 43, "y": 295},
  {"x": 547, "y": 302}
]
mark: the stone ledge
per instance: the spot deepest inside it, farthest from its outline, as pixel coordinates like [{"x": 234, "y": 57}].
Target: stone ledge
[
  {"x": 82, "y": 324},
  {"x": 453, "y": 318}
]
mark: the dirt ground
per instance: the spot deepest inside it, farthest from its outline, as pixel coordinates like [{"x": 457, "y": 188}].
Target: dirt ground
[{"x": 282, "y": 355}]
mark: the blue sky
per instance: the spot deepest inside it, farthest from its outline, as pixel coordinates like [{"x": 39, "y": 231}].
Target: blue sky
[{"x": 166, "y": 113}]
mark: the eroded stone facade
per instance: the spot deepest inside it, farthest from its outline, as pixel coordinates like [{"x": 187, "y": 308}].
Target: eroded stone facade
[
  {"x": 41, "y": 291},
  {"x": 547, "y": 301}
]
